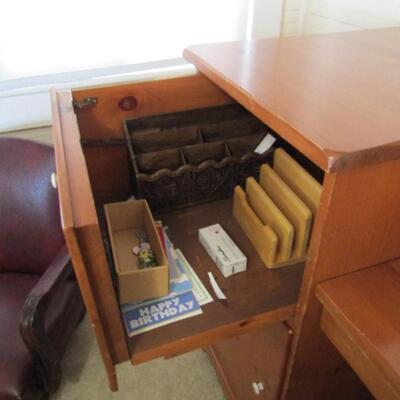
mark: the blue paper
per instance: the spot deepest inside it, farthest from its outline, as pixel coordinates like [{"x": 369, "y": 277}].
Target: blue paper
[{"x": 152, "y": 314}]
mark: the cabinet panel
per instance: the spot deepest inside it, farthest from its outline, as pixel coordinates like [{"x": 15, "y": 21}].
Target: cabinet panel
[
  {"x": 83, "y": 238},
  {"x": 253, "y": 363}
]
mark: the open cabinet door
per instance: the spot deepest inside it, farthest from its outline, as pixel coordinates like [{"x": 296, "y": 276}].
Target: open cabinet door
[{"x": 83, "y": 237}]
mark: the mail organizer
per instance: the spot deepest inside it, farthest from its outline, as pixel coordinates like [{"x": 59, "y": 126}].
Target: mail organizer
[
  {"x": 277, "y": 213},
  {"x": 194, "y": 156}
]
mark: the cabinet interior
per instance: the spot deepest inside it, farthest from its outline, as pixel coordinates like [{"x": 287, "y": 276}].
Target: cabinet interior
[{"x": 256, "y": 298}]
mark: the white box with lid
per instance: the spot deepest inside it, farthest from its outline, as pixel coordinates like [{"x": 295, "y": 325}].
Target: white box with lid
[{"x": 223, "y": 251}]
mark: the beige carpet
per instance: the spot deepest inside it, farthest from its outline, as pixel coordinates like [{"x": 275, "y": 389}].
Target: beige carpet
[{"x": 186, "y": 377}]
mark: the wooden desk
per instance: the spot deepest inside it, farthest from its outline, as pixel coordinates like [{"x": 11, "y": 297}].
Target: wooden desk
[
  {"x": 332, "y": 100},
  {"x": 328, "y": 95},
  {"x": 361, "y": 317}
]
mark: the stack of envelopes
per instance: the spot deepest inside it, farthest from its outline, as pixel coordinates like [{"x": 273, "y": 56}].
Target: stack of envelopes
[{"x": 277, "y": 213}]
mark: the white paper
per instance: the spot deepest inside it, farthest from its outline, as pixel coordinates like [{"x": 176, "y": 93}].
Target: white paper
[
  {"x": 265, "y": 144},
  {"x": 217, "y": 290}
]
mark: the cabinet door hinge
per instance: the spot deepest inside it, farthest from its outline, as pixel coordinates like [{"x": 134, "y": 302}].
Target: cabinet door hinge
[{"x": 87, "y": 101}]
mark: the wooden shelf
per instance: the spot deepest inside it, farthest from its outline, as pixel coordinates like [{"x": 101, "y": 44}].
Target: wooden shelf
[
  {"x": 362, "y": 319},
  {"x": 255, "y": 298}
]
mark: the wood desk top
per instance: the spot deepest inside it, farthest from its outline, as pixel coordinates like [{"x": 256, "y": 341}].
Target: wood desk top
[
  {"x": 363, "y": 321},
  {"x": 336, "y": 97}
]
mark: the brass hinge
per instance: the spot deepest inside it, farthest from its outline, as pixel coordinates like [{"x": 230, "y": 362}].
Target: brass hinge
[{"x": 87, "y": 101}]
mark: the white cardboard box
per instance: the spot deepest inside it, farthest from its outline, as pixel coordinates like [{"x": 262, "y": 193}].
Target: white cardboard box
[{"x": 223, "y": 251}]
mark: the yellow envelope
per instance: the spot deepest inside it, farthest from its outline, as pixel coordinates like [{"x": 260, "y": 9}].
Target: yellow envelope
[
  {"x": 298, "y": 179},
  {"x": 271, "y": 215},
  {"x": 261, "y": 236},
  {"x": 291, "y": 206}
]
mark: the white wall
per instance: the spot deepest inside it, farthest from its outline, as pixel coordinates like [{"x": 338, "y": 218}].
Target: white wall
[
  {"x": 265, "y": 19},
  {"x": 323, "y": 16}
]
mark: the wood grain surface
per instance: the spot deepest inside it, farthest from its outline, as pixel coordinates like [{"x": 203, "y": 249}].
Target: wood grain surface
[
  {"x": 331, "y": 96},
  {"x": 356, "y": 227},
  {"x": 258, "y": 357},
  {"x": 83, "y": 238},
  {"x": 104, "y": 120},
  {"x": 362, "y": 318}
]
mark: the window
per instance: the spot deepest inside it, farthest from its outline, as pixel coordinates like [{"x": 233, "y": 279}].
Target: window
[
  {"x": 73, "y": 43},
  {"x": 46, "y": 36}
]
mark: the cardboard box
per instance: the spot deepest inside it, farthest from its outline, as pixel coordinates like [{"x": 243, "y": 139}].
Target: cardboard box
[{"x": 125, "y": 220}]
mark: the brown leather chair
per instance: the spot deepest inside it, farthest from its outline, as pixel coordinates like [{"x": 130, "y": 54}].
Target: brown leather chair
[{"x": 40, "y": 302}]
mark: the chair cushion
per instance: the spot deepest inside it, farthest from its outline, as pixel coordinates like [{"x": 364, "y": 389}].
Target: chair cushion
[{"x": 16, "y": 362}]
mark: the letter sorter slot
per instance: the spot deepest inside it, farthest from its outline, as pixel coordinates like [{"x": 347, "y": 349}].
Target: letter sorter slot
[
  {"x": 190, "y": 157},
  {"x": 277, "y": 213}
]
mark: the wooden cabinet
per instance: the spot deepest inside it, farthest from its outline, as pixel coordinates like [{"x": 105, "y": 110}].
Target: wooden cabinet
[
  {"x": 330, "y": 104},
  {"x": 252, "y": 366},
  {"x": 92, "y": 171}
]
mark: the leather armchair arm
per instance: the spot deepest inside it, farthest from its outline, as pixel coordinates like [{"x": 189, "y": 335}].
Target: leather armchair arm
[
  {"x": 32, "y": 322},
  {"x": 55, "y": 274}
]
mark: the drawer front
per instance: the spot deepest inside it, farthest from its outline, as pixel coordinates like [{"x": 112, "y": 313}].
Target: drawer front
[{"x": 252, "y": 366}]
